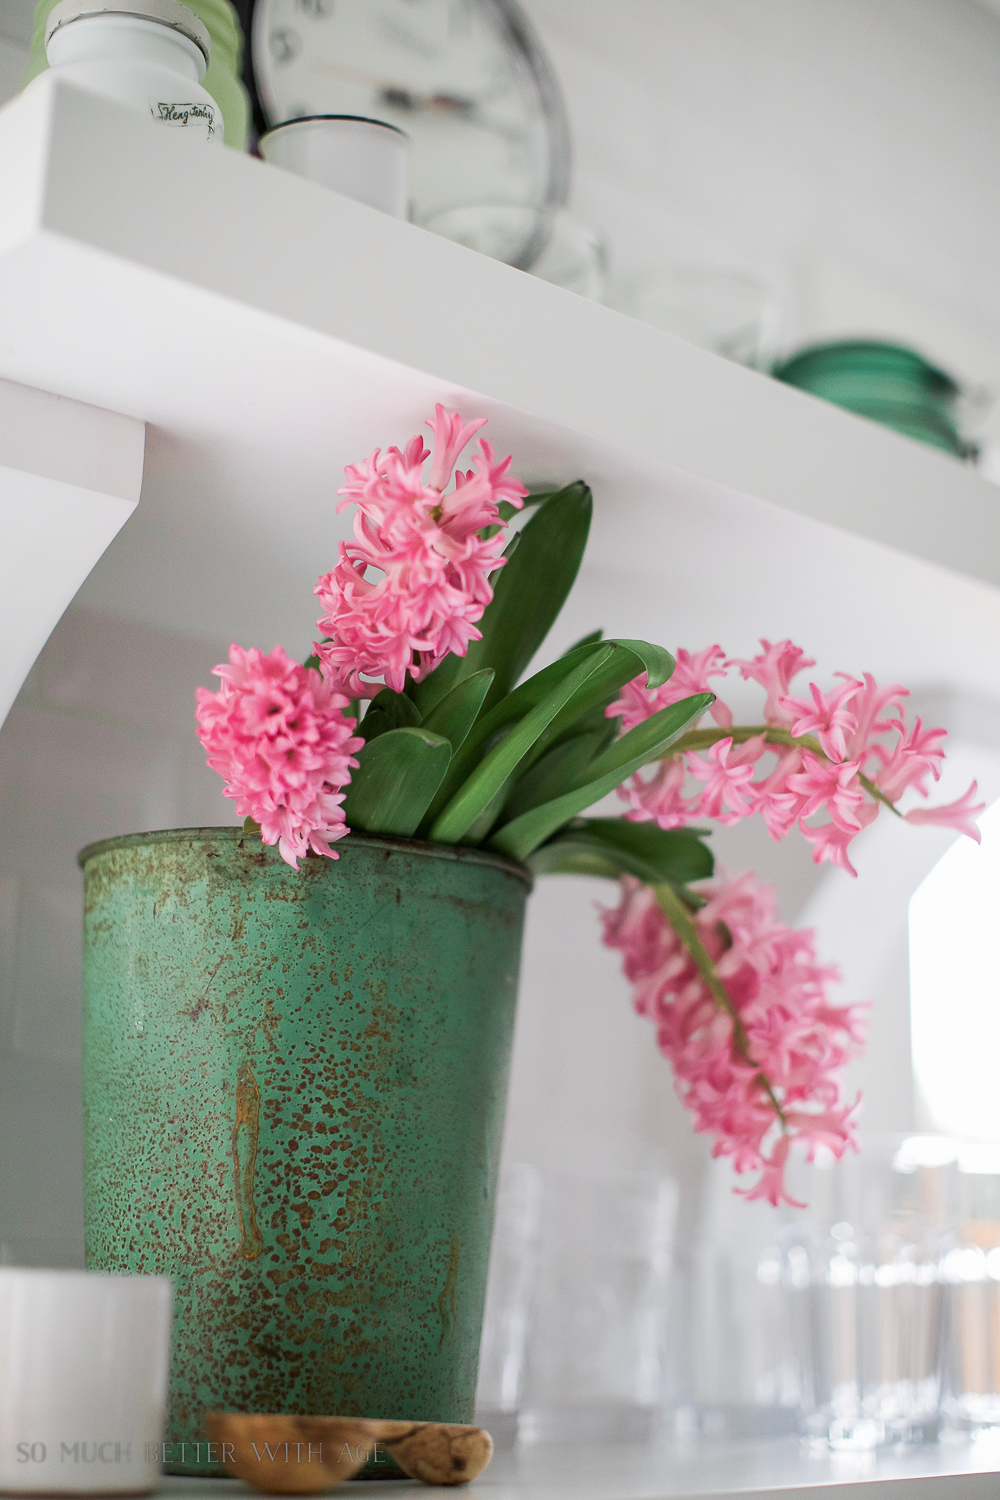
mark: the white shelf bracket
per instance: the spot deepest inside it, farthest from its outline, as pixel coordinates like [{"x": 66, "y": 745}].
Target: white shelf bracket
[{"x": 70, "y": 477}]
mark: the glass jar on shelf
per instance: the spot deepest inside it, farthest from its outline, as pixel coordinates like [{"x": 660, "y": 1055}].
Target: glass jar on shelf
[
  {"x": 971, "y": 1278},
  {"x": 597, "y": 1346},
  {"x": 510, "y": 1291},
  {"x": 866, "y": 1304}
]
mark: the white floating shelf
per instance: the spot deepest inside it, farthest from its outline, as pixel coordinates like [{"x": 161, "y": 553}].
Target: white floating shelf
[{"x": 270, "y": 331}]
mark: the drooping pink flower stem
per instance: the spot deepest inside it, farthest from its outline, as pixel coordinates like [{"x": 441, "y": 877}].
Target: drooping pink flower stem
[
  {"x": 677, "y": 914},
  {"x": 846, "y": 753},
  {"x": 740, "y": 734}
]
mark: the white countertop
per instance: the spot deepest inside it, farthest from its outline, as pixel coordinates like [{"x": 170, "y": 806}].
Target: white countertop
[{"x": 672, "y": 1470}]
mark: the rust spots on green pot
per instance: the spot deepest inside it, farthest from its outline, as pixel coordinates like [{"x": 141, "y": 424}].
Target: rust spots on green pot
[
  {"x": 446, "y": 1301},
  {"x": 245, "y": 1160},
  {"x": 293, "y": 1104}
]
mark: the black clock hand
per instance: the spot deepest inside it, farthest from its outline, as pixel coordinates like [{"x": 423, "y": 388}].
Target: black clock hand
[
  {"x": 394, "y": 93},
  {"x": 397, "y": 96}
]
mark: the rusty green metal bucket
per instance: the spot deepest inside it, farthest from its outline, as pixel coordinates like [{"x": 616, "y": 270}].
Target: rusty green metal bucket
[{"x": 294, "y": 1089}]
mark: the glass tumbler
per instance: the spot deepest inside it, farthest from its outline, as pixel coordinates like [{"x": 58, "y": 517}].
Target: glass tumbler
[
  {"x": 971, "y": 1276},
  {"x": 510, "y": 1293},
  {"x": 597, "y": 1350},
  {"x": 726, "y": 312},
  {"x": 866, "y": 1307},
  {"x": 549, "y": 243}
]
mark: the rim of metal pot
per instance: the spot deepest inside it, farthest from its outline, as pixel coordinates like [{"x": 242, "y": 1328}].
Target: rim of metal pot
[{"x": 454, "y": 853}]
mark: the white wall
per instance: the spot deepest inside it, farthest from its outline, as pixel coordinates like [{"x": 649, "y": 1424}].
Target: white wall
[
  {"x": 15, "y": 45},
  {"x": 100, "y": 741},
  {"x": 846, "y": 151}
]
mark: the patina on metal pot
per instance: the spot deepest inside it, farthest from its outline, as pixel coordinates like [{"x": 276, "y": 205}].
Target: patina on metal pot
[{"x": 294, "y": 1088}]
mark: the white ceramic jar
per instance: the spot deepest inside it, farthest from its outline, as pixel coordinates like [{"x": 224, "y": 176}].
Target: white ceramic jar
[
  {"x": 149, "y": 54},
  {"x": 84, "y": 1362}
]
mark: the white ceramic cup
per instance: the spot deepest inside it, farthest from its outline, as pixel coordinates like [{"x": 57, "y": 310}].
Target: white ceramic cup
[
  {"x": 363, "y": 159},
  {"x": 84, "y": 1361}
]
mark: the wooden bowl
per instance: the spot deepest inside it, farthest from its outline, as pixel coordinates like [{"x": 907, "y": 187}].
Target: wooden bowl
[{"x": 289, "y": 1455}]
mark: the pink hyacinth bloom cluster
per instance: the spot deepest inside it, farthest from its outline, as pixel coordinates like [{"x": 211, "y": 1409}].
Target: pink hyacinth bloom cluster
[
  {"x": 412, "y": 585},
  {"x": 858, "y": 733},
  {"x": 277, "y": 734},
  {"x": 794, "y": 1037}
]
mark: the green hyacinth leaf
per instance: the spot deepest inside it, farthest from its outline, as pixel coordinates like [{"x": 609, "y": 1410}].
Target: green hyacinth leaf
[
  {"x": 620, "y": 661},
  {"x": 458, "y": 710},
  {"x": 480, "y": 829},
  {"x": 388, "y": 710},
  {"x": 657, "y": 662},
  {"x": 489, "y": 726},
  {"x": 557, "y": 770},
  {"x": 556, "y": 858},
  {"x": 536, "y": 497},
  {"x": 397, "y": 776},
  {"x": 631, "y": 658},
  {"x": 531, "y": 589},
  {"x": 437, "y": 685},
  {"x": 646, "y": 742},
  {"x": 652, "y": 854},
  {"x": 585, "y": 640},
  {"x": 481, "y": 787},
  {"x": 593, "y": 720}
]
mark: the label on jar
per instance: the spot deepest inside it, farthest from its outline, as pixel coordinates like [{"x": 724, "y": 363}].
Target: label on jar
[{"x": 194, "y": 115}]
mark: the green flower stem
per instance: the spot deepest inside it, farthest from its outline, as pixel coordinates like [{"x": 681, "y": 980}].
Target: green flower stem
[
  {"x": 679, "y": 917},
  {"x": 702, "y": 739}
]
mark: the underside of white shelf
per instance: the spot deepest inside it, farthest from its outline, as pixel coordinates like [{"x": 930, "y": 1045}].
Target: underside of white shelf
[{"x": 269, "y": 331}]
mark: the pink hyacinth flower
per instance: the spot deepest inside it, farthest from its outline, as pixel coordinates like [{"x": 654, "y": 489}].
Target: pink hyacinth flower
[
  {"x": 916, "y": 755},
  {"x": 774, "y": 670},
  {"x": 796, "y": 1039},
  {"x": 771, "y": 1184},
  {"x": 410, "y": 588},
  {"x": 960, "y": 815},
  {"x": 725, "y": 797},
  {"x": 277, "y": 734},
  {"x": 826, "y": 717},
  {"x": 692, "y": 674},
  {"x": 829, "y": 786},
  {"x": 867, "y": 753},
  {"x": 658, "y": 798}
]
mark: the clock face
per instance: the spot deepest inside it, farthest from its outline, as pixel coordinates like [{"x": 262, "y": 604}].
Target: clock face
[{"x": 464, "y": 79}]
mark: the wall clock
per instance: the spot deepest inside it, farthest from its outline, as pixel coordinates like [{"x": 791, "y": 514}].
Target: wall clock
[{"x": 466, "y": 79}]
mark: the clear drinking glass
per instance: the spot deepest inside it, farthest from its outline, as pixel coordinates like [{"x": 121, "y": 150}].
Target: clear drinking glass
[
  {"x": 833, "y": 1316},
  {"x": 549, "y": 243},
  {"x": 971, "y": 1276},
  {"x": 742, "y": 1380},
  {"x": 865, "y": 1306},
  {"x": 726, "y": 312},
  {"x": 574, "y": 257},
  {"x": 509, "y": 1296},
  {"x": 509, "y": 232},
  {"x": 597, "y": 1349}
]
